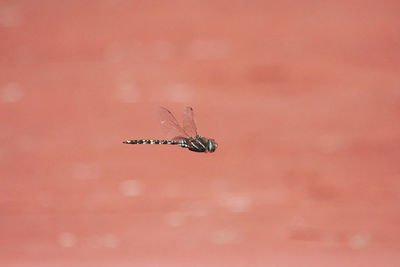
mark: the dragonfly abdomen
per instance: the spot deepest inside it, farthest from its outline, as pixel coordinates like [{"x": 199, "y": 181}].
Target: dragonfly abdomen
[{"x": 152, "y": 142}]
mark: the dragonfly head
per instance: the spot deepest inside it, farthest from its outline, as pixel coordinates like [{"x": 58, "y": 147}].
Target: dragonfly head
[{"x": 211, "y": 145}]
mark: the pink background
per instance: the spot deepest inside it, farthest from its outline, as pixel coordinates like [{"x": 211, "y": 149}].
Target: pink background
[{"x": 303, "y": 98}]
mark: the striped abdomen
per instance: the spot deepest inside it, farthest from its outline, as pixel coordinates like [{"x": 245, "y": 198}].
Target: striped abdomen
[
  {"x": 196, "y": 143},
  {"x": 158, "y": 142}
]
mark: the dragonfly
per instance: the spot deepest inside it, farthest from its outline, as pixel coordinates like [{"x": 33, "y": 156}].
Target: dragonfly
[{"x": 185, "y": 137}]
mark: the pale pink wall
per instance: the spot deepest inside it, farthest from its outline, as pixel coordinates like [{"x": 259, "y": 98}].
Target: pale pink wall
[{"x": 303, "y": 98}]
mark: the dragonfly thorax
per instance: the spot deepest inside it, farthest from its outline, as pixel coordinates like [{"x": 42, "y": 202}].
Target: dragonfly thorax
[{"x": 199, "y": 144}]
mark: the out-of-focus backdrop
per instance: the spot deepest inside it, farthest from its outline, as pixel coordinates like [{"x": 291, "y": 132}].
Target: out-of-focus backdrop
[{"x": 302, "y": 97}]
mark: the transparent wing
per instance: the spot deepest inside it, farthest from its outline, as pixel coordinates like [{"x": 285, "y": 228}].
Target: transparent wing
[
  {"x": 189, "y": 125},
  {"x": 170, "y": 126}
]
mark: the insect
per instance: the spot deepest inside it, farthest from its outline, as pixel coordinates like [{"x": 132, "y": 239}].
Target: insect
[{"x": 185, "y": 136}]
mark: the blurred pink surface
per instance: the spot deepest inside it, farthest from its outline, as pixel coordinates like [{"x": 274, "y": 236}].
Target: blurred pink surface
[{"x": 302, "y": 97}]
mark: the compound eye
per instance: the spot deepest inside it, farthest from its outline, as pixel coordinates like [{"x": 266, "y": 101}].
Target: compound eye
[{"x": 211, "y": 146}]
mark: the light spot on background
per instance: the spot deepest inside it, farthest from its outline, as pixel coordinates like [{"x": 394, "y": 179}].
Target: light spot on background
[
  {"x": 331, "y": 144},
  {"x": 131, "y": 188},
  {"x": 275, "y": 195},
  {"x": 26, "y": 143},
  {"x": 172, "y": 190},
  {"x": 107, "y": 241},
  {"x": 298, "y": 221},
  {"x": 194, "y": 209},
  {"x": 85, "y": 171},
  {"x": 328, "y": 241},
  {"x": 208, "y": 49},
  {"x": 359, "y": 241},
  {"x": 197, "y": 210},
  {"x": 163, "y": 50},
  {"x": 115, "y": 53},
  {"x": 175, "y": 218},
  {"x": 180, "y": 93},
  {"x": 235, "y": 202},
  {"x": 127, "y": 89},
  {"x": 11, "y": 93},
  {"x": 118, "y": 53},
  {"x": 219, "y": 184},
  {"x": 24, "y": 54},
  {"x": 224, "y": 236},
  {"x": 67, "y": 239},
  {"x": 10, "y": 16},
  {"x": 128, "y": 92}
]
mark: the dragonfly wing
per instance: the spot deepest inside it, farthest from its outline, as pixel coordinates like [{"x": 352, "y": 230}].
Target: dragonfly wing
[
  {"x": 189, "y": 125},
  {"x": 170, "y": 126}
]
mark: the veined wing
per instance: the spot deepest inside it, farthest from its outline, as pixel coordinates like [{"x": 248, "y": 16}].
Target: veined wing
[
  {"x": 170, "y": 126},
  {"x": 189, "y": 126}
]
